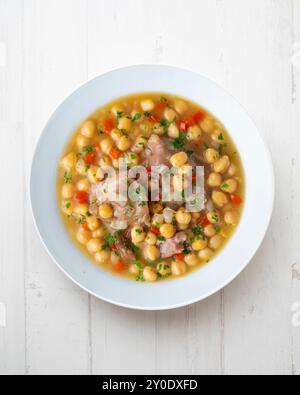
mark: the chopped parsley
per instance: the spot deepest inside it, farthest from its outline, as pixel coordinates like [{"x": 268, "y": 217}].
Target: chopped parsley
[
  {"x": 68, "y": 177},
  {"x": 140, "y": 277},
  {"x": 179, "y": 142},
  {"x": 68, "y": 205},
  {"x": 161, "y": 238},
  {"x": 138, "y": 231},
  {"x": 198, "y": 230},
  {"x": 163, "y": 100},
  {"x": 88, "y": 149},
  {"x": 147, "y": 114},
  {"x": 136, "y": 117},
  {"x": 221, "y": 137},
  {"x": 189, "y": 153},
  {"x": 100, "y": 133},
  {"x": 225, "y": 186},
  {"x": 221, "y": 148},
  {"x": 137, "y": 264},
  {"x": 206, "y": 146},
  {"x": 119, "y": 114}
]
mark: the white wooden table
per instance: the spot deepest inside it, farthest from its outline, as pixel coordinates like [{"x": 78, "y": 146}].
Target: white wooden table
[{"x": 49, "y": 47}]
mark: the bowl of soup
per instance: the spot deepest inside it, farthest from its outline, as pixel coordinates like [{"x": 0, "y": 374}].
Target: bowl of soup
[{"x": 147, "y": 185}]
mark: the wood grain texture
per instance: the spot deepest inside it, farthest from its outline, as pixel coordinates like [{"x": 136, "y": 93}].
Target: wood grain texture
[{"x": 49, "y": 47}]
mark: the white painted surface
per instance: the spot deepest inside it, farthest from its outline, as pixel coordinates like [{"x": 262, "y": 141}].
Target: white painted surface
[{"x": 51, "y": 46}]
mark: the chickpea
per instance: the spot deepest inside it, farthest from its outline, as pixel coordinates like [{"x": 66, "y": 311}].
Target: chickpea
[
  {"x": 170, "y": 115},
  {"x": 67, "y": 207},
  {"x": 106, "y": 145},
  {"x": 69, "y": 161},
  {"x": 93, "y": 223},
  {"x": 140, "y": 144},
  {"x": 117, "y": 109},
  {"x": 194, "y": 133},
  {"x": 82, "y": 141},
  {"x": 179, "y": 159},
  {"x": 191, "y": 259},
  {"x": 180, "y": 106},
  {"x": 158, "y": 129},
  {"x": 214, "y": 180},
  {"x": 116, "y": 135},
  {"x": 164, "y": 269},
  {"x": 199, "y": 243},
  {"x": 102, "y": 257},
  {"x": 210, "y": 231},
  {"x": 178, "y": 268},
  {"x": 183, "y": 217},
  {"x": 147, "y": 105},
  {"x": 173, "y": 131},
  {"x": 232, "y": 218},
  {"x": 151, "y": 239},
  {"x": 133, "y": 269},
  {"x": 219, "y": 198},
  {"x": 95, "y": 174},
  {"x": 152, "y": 253},
  {"x": 106, "y": 211},
  {"x": 81, "y": 209},
  {"x": 94, "y": 245},
  {"x": 124, "y": 124},
  {"x": 216, "y": 137},
  {"x": 150, "y": 274},
  {"x": 212, "y": 155},
  {"x": 83, "y": 236},
  {"x": 229, "y": 186},
  {"x": 81, "y": 167},
  {"x": 83, "y": 185},
  {"x": 232, "y": 170},
  {"x": 124, "y": 143},
  {"x": 105, "y": 161},
  {"x": 137, "y": 234},
  {"x": 68, "y": 191},
  {"x": 88, "y": 129},
  {"x": 167, "y": 231},
  {"x": 216, "y": 242},
  {"x": 222, "y": 165},
  {"x": 207, "y": 125},
  {"x": 205, "y": 255},
  {"x": 182, "y": 226},
  {"x": 100, "y": 233},
  {"x": 213, "y": 217}
]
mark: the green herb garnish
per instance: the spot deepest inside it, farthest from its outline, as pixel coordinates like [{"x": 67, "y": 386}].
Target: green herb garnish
[
  {"x": 68, "y": 177},
  {"x": 179, "y": 142},
  {"x": 137, "y": 117},
  {"x": 88, "y": 149},
  {"x": 198, "y": 230}
]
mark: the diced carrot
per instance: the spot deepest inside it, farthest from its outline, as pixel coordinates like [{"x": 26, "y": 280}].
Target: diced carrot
[
  {"x": 81, "y": 197},
  {"x": 153, "y": 118},
  {"x": 205, "y": 222},
  {"x": 179, "y": 257},
  {"x": 237, "y": 200},
  {"x": 90, "y": 157},
  {"x": 199, "y": 116},
  {"x": 162, "y": 105},
  {"x": 108, "y": 125},
  {"x": 116, "y": 153},
  {"x": 119, "y": 266},
  {"x": 85, "y": 225},
  {"x": 155, "y": 230},
  {"x": 183, "y": 126}
]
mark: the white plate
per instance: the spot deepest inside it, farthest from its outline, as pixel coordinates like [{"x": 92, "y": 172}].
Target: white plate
[{"x": 199, "y": 284}]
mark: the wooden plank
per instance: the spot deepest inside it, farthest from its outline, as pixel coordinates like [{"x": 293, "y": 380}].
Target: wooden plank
[
  {"x": 186, "y": 340},
  {"x": 295, "y": 189},
  {"x": 256, "y": 41},
  {"x": 12, "y": 325},
  {"x": 56, "y": 310}
]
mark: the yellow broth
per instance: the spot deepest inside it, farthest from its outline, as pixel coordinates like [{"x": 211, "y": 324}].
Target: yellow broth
[{"x": 125, "y": 128}]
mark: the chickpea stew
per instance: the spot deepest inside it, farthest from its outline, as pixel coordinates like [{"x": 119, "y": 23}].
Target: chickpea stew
[{"x": 150, "y": 241}]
